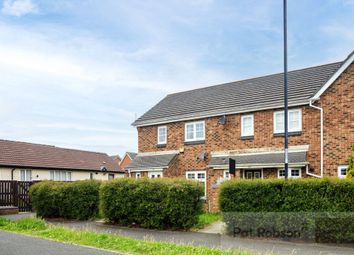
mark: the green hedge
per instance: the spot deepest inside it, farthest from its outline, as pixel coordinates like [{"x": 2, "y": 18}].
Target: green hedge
[
  {"x": 275, "y": 195},
  {"x": 317, "y": 209},
  {"x": 152, "y": 203},
  {"x": 70, "y": 200}
]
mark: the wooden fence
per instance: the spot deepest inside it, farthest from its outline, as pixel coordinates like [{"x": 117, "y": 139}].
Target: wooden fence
[{"x": 16, "y": 193}]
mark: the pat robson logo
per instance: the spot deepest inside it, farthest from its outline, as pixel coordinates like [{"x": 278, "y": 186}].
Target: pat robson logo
[{"x": 267, "y": 232}]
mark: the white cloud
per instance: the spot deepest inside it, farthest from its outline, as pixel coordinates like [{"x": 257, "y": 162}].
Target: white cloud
[{"x": 18, "y": 7}]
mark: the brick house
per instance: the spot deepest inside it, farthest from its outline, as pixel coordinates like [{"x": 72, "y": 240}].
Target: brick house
[{"x": 193, "y": 134}]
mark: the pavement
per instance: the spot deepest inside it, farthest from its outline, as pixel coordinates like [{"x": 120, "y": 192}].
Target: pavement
[
  {"x": 215, "y": 240},
  {"x": 15, "y": 244}
]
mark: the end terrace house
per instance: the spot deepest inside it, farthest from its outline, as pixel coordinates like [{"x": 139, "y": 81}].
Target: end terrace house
[
  {"x": 193, "y": 134},
  {"x": 22, "y": 161}
]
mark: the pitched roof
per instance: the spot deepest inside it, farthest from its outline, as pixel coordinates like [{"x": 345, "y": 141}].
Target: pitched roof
[
  {"x": 254, "y": 94},
  {"x": 261, "y": 159},
  {"x": 22, "y": 154},
  {"x": 150, "y": 161},
  {"x": 131, "y": 155}
]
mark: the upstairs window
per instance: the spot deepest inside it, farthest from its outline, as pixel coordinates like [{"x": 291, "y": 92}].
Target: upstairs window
[
  {"x": 195, "y": 131},
  {"x": 162, "y": 135},
  {"x": 294, "y": 121},
  {"x": 247, "y": 125}
]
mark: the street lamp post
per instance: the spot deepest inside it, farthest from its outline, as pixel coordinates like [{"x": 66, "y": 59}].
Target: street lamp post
[{"x": 286, "y": 145}]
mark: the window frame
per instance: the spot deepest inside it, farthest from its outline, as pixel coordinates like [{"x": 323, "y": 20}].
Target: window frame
[
  {"x": 289, "y": 173},
  {"x": 227, "y": 172},
  {"x": 158, "y": 135},
  {"x": 339, "y": 169},
  {"x": 194, "y": 139},
  {"x": 199, "y": 180},
  {"x": 290, "y": 129},
  {"x": 53, "y": 174},
  {"x": 150, "y": 173},
  {"x": 27, "y": 174},
  {"x": 252, "y": 126},
  {"x": 137, "y": 175}
]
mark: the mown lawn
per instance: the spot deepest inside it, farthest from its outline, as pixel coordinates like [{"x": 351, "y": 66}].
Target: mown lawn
[
  {"x": 206, "y": 219},
  {"x": 38, "y": 228}
]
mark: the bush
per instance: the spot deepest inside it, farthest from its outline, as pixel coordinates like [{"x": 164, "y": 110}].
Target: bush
[
  {"x": 350, "y": 174},
  {"x": 152, "y": 203},
  {"x": 70, "y": 200},
  {"x": 323, "y": 207}
]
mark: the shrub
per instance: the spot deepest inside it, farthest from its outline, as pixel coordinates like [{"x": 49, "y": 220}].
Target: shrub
[
  {"x": 152, "y": 203},
  {"x": 350, "y": 174},
  {"x": 321, "y": 206},
  {"x": 70, "y": 200}
]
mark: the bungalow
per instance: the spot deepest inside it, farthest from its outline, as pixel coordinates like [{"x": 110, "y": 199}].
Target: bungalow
[
  {"x": 193, "y": 134},
  {"x": 32, "y": 162}
]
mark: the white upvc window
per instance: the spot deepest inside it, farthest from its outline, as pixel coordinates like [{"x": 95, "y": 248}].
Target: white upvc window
[
  {"x": 199, "y": 176},
  {"x": 58, "y": 175},
  {"x": 194, "y": 131},
  {"x": 155, "y": 174},
  {"x": 342, "y": 171},
  {"x": 227, "y": 175},
  {"x": 293, "y": 173},
  {"x": 137, "y": 175},
  {"x": 294, "y": 121},
  {"x": 26, "y": 175},
  {"x": 247, "y": 127},
  {"x": 161, "y": 135}
]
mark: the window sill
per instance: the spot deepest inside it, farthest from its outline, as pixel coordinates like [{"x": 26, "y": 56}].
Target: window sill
[
  {"x": 194, "y": 142},
  {"x": 251, "y": 137},
  {"x": 161, "y": 145},
  {"x": 290, "y": 134}
]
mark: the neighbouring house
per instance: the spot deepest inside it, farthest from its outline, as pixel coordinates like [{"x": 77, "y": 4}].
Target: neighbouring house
[
  {"x": 117, "y": 159},
  {"x": 33, "y": 162},
  {"x": 128, "y": 157},
  {"x": 193, "y": 134}
]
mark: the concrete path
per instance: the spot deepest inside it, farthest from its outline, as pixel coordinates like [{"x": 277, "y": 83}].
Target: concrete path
[
  {"x": 15, "y": 244},
  {"x": 214, "y": 228},
  {"x": 214, "y": 240}
]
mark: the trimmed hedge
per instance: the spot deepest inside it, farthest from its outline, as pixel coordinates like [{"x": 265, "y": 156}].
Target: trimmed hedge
[
  {"x": 316, "y": 209},
  {"x": 275, "y": 195},
  {"x": 70, "y": 200},
  {"x": 152, "y": 203}
]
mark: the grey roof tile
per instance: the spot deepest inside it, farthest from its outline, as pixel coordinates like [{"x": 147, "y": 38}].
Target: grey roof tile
[
  {"x": 142, "y": 161},
  {"x": 240, "y": 96},
  {"x": 264, "y": 158}
]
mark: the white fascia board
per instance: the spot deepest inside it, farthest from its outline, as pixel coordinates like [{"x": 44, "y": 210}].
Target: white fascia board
[{"x": 334, "y": 77}]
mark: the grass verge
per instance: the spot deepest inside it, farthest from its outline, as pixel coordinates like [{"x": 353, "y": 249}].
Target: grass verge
[
  {"x": 206, "y": 219},
  {"x": 38, "y": 228}
]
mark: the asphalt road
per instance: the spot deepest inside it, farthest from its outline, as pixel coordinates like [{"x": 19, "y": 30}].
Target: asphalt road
[{"x": 14, "y": 244}]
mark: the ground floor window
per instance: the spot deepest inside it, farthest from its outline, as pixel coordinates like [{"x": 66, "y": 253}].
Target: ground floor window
[
  {"x": 293, "y": 173},
  {"x": 157, "y": 174},
  {"x": 137, "y": 175},
  {"x": 199, "y": 176},
  {"x": 227, "y": 175},
  {"x": 57, "y": 175},
  {"x": 342, "y": 171},
  {"x": 110, "y": 176},
  {"x": 26, "y": 175},
  {"x": 252, "y": 173},
  {"x": 91, "y": 176}
]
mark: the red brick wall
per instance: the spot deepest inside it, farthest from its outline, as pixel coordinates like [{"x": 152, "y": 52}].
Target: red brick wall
[{"x": 338, "y": 104}]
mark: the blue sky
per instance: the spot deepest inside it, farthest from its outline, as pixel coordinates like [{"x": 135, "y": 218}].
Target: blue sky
[{"x": 75, "y": 73}]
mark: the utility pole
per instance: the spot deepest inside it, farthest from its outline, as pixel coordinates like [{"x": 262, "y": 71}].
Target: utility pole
[{"x": 286, "y": 142}]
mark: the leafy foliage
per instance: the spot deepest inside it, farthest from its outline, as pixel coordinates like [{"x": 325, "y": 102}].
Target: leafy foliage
[
  {"x": 152, "y": 203},
  {"x": 70, "y": 200},
  {"x": 350, "y": 174}
]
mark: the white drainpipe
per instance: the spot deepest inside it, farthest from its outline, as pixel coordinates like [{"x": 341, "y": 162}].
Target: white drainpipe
[{"x": 321, "y": 142}]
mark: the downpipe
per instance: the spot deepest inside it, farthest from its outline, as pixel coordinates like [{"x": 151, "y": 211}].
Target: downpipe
[{"x": 321, "y": 141}]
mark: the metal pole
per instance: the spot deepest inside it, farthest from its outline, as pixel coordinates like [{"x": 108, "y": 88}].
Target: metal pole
[{"x": 286, "y": 166}]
